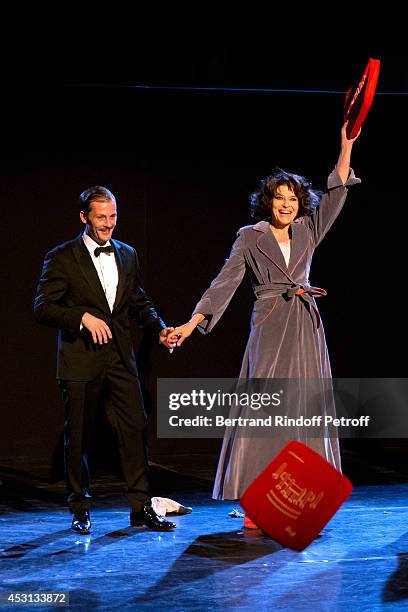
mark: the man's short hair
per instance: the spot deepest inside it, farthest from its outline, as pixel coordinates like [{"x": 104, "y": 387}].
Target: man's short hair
[{"x": 94, "y": 194}]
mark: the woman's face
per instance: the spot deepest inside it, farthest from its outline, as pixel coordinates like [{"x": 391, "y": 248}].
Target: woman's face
[{"x": 285, "y": 207}]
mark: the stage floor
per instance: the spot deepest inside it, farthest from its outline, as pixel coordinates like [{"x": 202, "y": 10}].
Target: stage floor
[{"x": 359, "y": 562}]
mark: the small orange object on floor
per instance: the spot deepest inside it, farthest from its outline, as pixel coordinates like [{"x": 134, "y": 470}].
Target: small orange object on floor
[{"x": 248, "y": 524}]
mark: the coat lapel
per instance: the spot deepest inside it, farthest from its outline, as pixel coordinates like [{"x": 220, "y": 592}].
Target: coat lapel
[
  {"x": 88, "y": 269},
  {"x": 268, "y": 245}
]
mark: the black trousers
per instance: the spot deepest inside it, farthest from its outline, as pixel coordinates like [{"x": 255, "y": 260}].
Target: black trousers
[{"x": 120, "y": 392}]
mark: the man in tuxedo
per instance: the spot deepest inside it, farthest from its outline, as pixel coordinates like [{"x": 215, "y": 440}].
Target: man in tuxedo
[{"x": 90, "y": 290}]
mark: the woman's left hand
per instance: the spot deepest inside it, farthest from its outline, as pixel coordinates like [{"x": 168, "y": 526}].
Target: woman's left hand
[{"x": 347, "y": 141}]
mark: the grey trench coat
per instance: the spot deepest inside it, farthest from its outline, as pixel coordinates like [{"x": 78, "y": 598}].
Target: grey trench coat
[{"x": 286, "y": 340}]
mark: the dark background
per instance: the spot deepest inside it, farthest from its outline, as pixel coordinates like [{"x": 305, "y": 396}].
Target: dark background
[{"x": 181, "y": 129}]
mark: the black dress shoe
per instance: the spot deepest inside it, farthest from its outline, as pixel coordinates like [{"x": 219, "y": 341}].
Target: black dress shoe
[
  {"x": 81, "y": 522},
  {"x": 148, "y": 517}
]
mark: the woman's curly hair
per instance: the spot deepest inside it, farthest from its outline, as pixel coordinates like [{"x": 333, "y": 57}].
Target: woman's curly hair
[{"x": 260, "y": 201}]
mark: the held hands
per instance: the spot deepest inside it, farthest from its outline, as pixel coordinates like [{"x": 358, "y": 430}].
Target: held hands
[
  {"x": 101, "y": 334},
  {"x": 180, "y": 333},
  {"x": 168, "y": 339}
]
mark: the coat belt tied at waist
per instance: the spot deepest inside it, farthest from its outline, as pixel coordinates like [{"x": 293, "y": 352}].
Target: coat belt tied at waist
[
  {"x": 286, "y": 290},
  {"x": 289, "y": 291}
]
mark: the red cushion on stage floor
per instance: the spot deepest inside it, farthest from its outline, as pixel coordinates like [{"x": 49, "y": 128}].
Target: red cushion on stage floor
[
  {"x": 359, "y": 98},
  {"x": 295, "y": 496}
]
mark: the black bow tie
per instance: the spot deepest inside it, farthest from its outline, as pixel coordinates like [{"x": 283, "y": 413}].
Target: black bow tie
[{"x": 99, "y": 250}]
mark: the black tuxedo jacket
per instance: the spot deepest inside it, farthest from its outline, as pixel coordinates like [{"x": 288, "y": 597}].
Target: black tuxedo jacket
[{"x": 70, "y": 286}]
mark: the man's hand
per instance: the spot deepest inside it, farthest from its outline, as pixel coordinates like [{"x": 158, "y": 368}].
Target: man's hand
[
  {"x": 101, "y": 334},
  {"x": 167, "y": 338}
]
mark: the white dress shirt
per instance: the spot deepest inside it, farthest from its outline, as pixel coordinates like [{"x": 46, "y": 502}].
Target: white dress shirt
[{"x": 106, "y": 268}]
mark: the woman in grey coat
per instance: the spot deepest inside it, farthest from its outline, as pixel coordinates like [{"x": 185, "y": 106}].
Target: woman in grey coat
[{"x": 286, "y": 340}]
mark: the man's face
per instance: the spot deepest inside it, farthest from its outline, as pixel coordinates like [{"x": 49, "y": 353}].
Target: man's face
[{"x": 100, "y": 221}]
